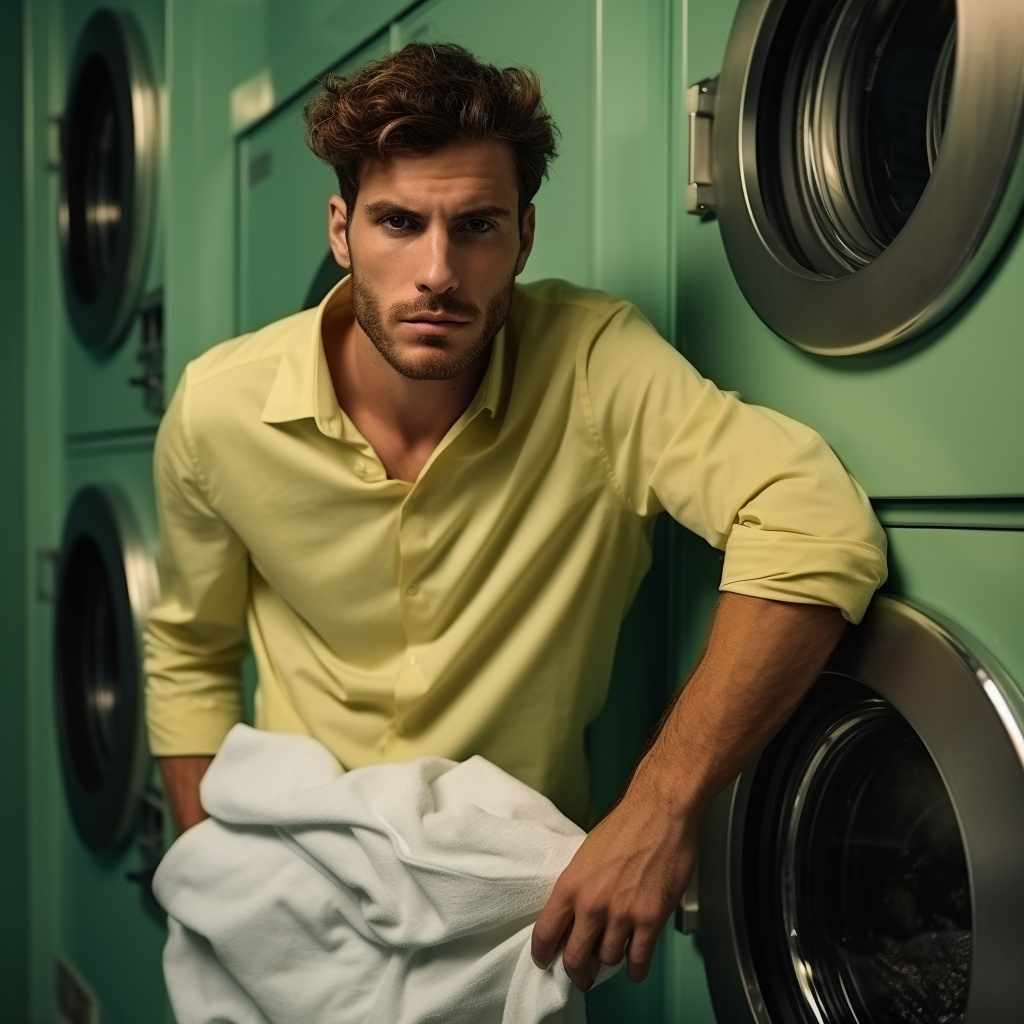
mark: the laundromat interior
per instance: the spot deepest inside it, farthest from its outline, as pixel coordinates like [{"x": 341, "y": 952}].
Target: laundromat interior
[{"x": 819, "y": 202}]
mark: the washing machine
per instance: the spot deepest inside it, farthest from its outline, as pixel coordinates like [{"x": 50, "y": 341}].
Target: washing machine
[
  {"x": 98, "y": 822},
  {"x": 853, "y": 259}
]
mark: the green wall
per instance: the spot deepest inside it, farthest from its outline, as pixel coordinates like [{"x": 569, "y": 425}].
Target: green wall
[{"x": 13, "y": 860}]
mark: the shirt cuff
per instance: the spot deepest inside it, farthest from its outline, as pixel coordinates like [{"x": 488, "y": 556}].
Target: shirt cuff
[
  {"x": 193, "y": 727},
  {"x": 821, "y": 570}
]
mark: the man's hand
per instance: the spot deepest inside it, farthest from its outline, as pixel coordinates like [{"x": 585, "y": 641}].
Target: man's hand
[
  {"x": 630, "y": 873},
  {"x": 624, "y": 882}
]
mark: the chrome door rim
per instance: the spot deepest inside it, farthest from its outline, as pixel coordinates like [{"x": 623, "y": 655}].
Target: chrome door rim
[
  {"x": 967, "y": 713},
  {"x": 100, "y": 722},
  {"x": 104, "y": 267},
  {"x": 959, "y": 225}
]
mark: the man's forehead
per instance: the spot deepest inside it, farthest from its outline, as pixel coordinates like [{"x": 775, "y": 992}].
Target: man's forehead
[{"x": 480, "y": 173}]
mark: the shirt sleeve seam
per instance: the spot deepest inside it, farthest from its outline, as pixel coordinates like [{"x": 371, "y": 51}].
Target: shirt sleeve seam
[
  {"x": 586, "y": 402},
  {"x": 193, "y": 456}
]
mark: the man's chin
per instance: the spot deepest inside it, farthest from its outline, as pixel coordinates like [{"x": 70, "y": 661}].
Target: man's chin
[{"x": 434, "y": 364}]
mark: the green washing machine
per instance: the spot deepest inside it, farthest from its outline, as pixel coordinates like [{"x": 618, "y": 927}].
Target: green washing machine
[
  {"x": 853, "y": 259},
  {"x": 98, "y": 823}
]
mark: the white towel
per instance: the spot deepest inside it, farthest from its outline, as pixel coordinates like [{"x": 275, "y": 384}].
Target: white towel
[{"x": 392, "y": 894}]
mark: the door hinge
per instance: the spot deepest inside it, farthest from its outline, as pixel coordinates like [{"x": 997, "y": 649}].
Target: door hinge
[
  {"x": 151, "y": 354},
  {"x": 700, "y": 188}
]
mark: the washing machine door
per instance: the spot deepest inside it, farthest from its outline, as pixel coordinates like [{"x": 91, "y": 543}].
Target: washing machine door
[
  {"x": 864, "y": 159},
  {"x": 106, "y": 583},
  {"x": 867, "y": 869},
  {"x": 109, "y": 153}
]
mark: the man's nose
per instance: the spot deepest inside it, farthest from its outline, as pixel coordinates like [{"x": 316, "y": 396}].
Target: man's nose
[{"x": 437, "y": 272}]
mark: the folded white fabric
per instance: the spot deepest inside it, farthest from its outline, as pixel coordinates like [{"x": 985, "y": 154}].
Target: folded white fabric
[{"x": 392, "y": 894}]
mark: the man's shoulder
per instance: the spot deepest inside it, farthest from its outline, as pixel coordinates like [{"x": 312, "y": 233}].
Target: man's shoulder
[
  {"x": 257, "y": 352},
  {"x": 555, "y": 297}
]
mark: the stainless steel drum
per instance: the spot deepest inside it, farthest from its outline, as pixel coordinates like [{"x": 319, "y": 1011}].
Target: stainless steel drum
[
  {"x": 106, "y": 583},
  {"x": 867, "y": 868},
  {"x": 109, "y": 151}
]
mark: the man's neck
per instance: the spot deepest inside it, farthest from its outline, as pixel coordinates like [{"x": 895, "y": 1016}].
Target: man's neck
[{"x": 403, "y": 419}]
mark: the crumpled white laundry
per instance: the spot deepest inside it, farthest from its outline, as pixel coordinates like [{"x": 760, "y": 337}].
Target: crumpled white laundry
[{"x": 393, "y": 894}]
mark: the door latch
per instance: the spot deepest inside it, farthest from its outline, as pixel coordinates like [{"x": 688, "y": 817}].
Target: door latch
[{"x": 688, "y": 911}]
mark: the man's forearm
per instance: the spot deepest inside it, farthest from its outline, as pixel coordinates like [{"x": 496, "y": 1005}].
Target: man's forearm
[
  {"x": 760, "y": 660},
  {"x": 182, "y": 776}
]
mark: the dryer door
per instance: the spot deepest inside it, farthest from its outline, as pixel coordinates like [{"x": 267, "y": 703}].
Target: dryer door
[
  {"x": 867, "y": 161},
  {"x": 108, "y": 178},
  {"x": 866, "y": 870},
  {"x": 106, "y": 584}
]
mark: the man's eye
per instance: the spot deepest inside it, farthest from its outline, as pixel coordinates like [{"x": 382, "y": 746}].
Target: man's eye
[
  {"x": 477, "y": 225},
  {"x": 397, "y": 223}
]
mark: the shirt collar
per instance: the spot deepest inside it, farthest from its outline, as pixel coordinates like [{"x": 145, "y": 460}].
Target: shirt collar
[{"x": 303, "y": 389}]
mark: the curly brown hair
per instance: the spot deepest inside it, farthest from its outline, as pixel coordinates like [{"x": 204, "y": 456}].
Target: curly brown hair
[{"x": 422, "y": 97}]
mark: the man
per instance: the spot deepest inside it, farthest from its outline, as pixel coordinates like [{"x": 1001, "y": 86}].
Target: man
[{"x": 432, "y": 499}]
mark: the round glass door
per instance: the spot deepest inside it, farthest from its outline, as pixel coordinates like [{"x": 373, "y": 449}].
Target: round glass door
[
  {"x": 857, "y": 891},
  {"x": 106, "y": 582},
  {"x": 108, "y": 179}
]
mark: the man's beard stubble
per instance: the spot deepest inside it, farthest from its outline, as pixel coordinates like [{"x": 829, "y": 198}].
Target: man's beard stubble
[{"x": 441, "y": 365}]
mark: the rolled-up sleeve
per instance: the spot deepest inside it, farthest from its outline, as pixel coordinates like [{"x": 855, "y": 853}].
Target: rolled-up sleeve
[
  {"x": 764, "y": 488},
  {"x": 195, "y": 636}
]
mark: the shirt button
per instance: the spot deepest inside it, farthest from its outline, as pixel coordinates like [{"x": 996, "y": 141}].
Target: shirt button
[
  {"x": 414, "y": 660},
  {"x": 412, "y": 590},
  {"x": 360, "y": 467}
]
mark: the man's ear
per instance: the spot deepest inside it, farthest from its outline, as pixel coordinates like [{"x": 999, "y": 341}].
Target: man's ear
[
  {"x": 527, "y": 227},
  {"x": 337, "y": 230}
]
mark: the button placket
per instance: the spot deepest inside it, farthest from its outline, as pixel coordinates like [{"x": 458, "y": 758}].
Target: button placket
[{"x": 412, "y": 681}]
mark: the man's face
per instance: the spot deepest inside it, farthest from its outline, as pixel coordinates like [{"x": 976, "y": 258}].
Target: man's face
[{"x": 434, "y": 244}]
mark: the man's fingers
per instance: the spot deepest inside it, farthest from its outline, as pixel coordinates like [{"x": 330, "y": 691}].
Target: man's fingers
[
  {"x": 580, "y": 954},
  {"x": 554, "y": 922},
  {"x": 641, "y": 953},
  {"x": 612, "y": 947}
]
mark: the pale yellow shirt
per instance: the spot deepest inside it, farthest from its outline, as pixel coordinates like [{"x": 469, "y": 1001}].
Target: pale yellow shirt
[{"x": 476, "y": 610}]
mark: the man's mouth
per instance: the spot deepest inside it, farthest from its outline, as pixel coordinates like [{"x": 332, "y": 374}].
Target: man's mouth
[
  {"x": 435, "y": 318},
  {"x": 435, "y": 323}
]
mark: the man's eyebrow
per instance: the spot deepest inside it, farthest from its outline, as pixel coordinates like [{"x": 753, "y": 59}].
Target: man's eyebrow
[
  {"x": 484, "y": 211},
  {"x": 388, "y": 208}
]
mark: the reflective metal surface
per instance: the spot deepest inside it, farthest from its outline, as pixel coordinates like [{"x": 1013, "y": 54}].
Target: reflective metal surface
[
  {"x": 106, "y": 584},
  {"x": 108, "y": 178},
  {"x": 868, "y": 161},
  {"x": 866, "y": 869}
]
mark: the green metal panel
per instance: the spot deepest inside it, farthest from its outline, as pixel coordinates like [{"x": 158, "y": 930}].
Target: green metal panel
[
  {"x": 43, "y": 326},
  {"x": 931, "y": 417},
  {"x": 975, "y": 578},
  {"x": 283, "y": 191},
  {"x": 293, "y": 41},
  {"x": 13, "y": 749}
]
